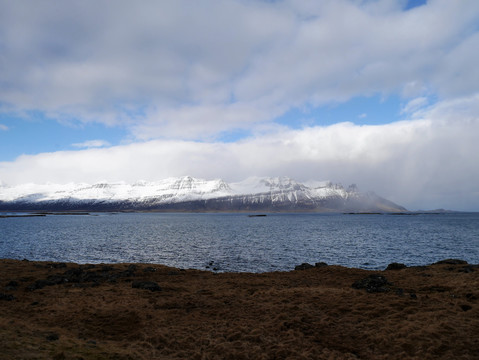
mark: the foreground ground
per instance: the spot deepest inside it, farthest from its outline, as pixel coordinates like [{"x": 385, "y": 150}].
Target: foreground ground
[{"x": 124, "y": 311}]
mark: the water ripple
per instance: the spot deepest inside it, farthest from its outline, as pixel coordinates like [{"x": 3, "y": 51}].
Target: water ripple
[{"x": 236, "y": 242}]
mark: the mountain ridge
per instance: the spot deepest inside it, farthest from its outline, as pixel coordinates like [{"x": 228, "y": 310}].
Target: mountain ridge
[{"x": 192, "y": 194}]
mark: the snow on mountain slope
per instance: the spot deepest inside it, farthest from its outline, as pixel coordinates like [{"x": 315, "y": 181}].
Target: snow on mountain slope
[
  {"x": 280, "y": 192},
  {"x": 173, "y": 189}
]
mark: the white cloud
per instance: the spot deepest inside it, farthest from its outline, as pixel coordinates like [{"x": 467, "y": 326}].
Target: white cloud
[
  {"x": 455, "y": 109},
  {"x": 92, "y": 144},
  {"x": 414, "y": 105},
  {"x": 3, "y": 127},
  {"x": 422, "y": 163},
  {"x": 171, "y": 68}
]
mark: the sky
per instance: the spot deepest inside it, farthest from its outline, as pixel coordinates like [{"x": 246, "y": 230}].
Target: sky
[{"x": 380, "y": 93}]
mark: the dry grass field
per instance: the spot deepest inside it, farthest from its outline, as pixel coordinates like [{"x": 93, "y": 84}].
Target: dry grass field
[{"x": 144, "y": 311}]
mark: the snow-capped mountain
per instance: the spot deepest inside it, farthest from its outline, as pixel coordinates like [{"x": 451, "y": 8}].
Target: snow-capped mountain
[{"x": 191, "y": 194}]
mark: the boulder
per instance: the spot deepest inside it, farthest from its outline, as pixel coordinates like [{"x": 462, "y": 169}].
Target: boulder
[
  {"x": 451, "y": 262},
  {"x": 396, "y": 266},
  {"x": 6, "y": 297},
  {"x": 12, "y": 285},
  {"x": 39, "y": 284},
  {"x": 52, "y": 337},
  {"x": 303, "y": 266},
  {"x": 149, "y": 269},
  {"x": 57, "y": 265},
  {"x": 373, "y": 284},
  {"x": 147, "y": 285},
  {"x": 468, "y": 269}
]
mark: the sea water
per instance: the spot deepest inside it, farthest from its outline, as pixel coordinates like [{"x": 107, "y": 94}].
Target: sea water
[{"x": 237, "y": 242}]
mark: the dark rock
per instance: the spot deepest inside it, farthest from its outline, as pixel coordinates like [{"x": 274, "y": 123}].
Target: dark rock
[
  {"x": 79, "y": 276},
  {"x": 75, "y": 275},
  {"x": 413, "y": 296},
  {"x": 147, "y": 285},
  {"x": 373, "y": 283},
  {"x": 467, "y": 269},
  {"x": 61, "y": 356},
  {"x": 466, "y": 307},
  {"x": 52, "y": 337},
  {"x": 39, "y": 284},
  {"x": 86, "y": 285},
  {"x": 94, "y": 276},
  {"x": 451, "y": 262},
  {"x": 303, "y": 266},
  {"x": 12, "y": 285},
  {"x": 149, "y": 269},
  {"x": 121, "y": 274},
  {"x": 56, "y": 279},
  {"x": 104, "y": 274},
  {"x": 420, "y": 267},
  {"x": 396, "y": 266},
  {"x": 132, "y": 268},
  {"x": 437, "y": 288},
  {"x": 57, "y": 265},
  {"x": 471, "y": 296},
  {"x": 6, "y": 297},
  {"x": 400, "y": 292},
  {"x": 320, "y": 264}
]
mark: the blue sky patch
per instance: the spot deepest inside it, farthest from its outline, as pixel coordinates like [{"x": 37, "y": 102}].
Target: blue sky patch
[
  {"x": 374, "y": 110},
  {"x": 39, "y": 135}
]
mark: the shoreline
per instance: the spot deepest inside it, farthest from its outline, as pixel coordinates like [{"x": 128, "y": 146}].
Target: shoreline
[
  {"x": 215, "y": 268},
  {"x": 149, "y": 311},
  {"x": 91, "y": 211}
]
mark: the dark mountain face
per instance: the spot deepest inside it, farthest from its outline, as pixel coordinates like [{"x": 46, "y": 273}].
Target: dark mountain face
[{"x": 189, "y": 194}]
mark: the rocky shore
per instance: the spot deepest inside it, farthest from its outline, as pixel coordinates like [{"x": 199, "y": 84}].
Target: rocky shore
[{"x": 144, "y": 311}]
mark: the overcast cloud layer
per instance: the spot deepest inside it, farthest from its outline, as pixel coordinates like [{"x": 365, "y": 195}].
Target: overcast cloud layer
[{"x": 179, "y": 74}]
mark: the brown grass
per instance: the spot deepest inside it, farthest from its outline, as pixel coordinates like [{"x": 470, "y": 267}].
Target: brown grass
[{"x": 426, "y": 313}]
